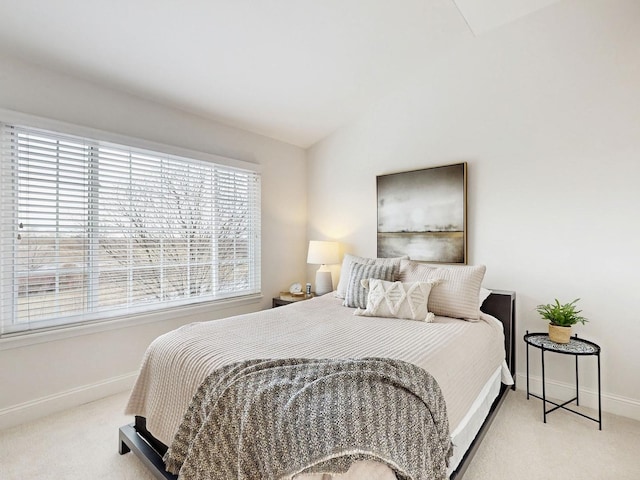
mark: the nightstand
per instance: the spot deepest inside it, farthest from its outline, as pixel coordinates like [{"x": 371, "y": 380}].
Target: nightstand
[
  {"x": 577, "y": 347},
  {"x": 287, "y": 298}
]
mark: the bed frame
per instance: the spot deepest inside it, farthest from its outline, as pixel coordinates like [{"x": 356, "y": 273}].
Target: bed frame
[{"x": 136, "y": 438}]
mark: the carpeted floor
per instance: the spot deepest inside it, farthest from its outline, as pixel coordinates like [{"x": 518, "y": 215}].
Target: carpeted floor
[{"x": 517, "y": 447}]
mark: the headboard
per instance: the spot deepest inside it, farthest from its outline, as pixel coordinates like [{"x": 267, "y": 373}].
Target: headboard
[{"x": 502, "y": 305}]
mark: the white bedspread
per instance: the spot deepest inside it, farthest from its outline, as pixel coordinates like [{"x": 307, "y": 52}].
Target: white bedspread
[{"x": 460, "y": 355}]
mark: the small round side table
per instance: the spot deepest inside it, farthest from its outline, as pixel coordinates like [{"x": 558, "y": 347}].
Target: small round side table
[{"x": 577, "y": 347}]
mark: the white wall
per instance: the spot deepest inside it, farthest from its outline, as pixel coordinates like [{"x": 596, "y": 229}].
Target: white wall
[
  {"x": 546, "y": 111},
  {"x": 60, "y": 372}
]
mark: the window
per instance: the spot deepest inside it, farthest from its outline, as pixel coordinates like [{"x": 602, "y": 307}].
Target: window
[{"x": 92, "y": 230}]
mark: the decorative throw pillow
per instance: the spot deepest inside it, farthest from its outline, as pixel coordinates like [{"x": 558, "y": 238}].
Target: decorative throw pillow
[
  {"x": 356, "y": 294},
  {"x": 398, "y": 300},
  {"x": 345, "y": 272},
  {"x": 457, "y": 294}
]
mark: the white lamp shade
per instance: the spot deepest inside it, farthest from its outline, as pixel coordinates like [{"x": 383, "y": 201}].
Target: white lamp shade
[{"x": 323, "y": 253}]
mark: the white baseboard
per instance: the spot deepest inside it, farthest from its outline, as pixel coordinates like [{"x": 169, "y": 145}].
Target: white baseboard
[
  {"x": 625, "y": 407},
  {"x": 41, "y": 407}
]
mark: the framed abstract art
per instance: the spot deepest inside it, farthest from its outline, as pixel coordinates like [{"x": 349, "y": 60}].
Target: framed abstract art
[{"x": 423, "y": 214}]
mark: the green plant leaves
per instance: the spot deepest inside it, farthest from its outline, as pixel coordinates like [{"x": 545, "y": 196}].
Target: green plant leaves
[{"x": 563, "y": 315}]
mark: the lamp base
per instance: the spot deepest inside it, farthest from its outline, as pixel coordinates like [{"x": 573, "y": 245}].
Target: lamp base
[{"x": 324, "y": 283}]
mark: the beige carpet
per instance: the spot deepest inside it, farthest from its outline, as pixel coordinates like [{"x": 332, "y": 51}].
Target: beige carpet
[
  {"x": 520, "y": 446},
  {"x": 517, "y": 447}
]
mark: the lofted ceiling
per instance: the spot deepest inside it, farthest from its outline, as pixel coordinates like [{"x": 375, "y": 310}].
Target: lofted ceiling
[{"x": 293, "y": 70}]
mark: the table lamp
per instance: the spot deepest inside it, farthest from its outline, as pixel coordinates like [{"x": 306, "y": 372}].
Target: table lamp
[{"x": 323, "y": 254}]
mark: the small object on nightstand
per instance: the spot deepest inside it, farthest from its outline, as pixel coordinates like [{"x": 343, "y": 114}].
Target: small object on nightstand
[{"x": 286, "y": 298}]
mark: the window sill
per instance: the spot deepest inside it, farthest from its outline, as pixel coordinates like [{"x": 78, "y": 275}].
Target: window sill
[{"x": 33, "y": 338}]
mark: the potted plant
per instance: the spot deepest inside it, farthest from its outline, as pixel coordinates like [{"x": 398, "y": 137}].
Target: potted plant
[{"x": 561, "y": 317}]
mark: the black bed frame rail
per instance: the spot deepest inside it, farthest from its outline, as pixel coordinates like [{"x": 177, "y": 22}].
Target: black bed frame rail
[
  {"x": 135, "y": 438},
  {"x": 501, "y": 304}
]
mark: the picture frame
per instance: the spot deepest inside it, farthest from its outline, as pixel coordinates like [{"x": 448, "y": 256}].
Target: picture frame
[{"x": 423, "y": 214}]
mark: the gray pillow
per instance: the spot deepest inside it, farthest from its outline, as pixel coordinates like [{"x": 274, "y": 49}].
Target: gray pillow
[
  {"x": 356, "y": 295},
  {"x": 345, "y": 272}
]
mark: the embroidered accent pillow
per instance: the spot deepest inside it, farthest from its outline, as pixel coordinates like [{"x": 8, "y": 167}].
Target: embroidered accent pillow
[
  {"x": 398, "y": 300},
  {"x": 457, "y": 294},
  {"x": 348, "y": 260},
  {"x": 356, "y": 294}
]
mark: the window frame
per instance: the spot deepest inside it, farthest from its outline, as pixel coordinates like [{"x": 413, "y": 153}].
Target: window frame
[{"x": 143, "y": 313}]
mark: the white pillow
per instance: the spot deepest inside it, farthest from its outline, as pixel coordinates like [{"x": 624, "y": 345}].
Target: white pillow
[
  {"x": 398, "y": 300},
  {"x": 345, "y": 272},
  {"x": 457, "y": 294}
]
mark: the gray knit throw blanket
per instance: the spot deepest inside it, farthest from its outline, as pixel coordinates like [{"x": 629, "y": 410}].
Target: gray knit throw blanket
[{"x": 273, "y": 419}]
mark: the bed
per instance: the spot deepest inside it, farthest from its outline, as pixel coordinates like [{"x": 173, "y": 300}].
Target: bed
[{"x": 473, "y": 361}]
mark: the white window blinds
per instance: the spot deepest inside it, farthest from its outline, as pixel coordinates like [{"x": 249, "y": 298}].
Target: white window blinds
[{"x": 90, "y": 230}]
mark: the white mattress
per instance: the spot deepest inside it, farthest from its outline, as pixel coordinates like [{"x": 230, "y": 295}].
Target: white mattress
[{"x": 464, "y": 357}]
